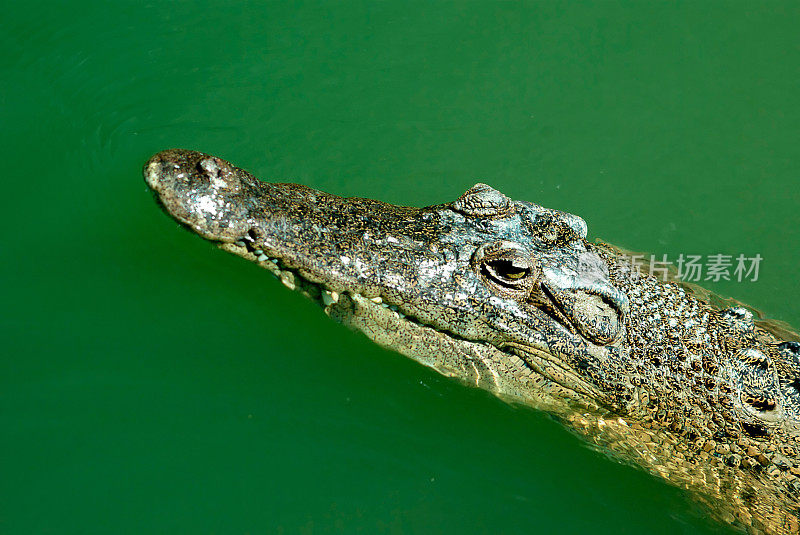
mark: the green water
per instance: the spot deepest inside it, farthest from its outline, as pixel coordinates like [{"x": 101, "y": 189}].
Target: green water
[{"x": 151, "y": 384}]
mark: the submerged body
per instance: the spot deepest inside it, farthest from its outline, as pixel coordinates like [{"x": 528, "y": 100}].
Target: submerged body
[{"x": 511, "y": 297}]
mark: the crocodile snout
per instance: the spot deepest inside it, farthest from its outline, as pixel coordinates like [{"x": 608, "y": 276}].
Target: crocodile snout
[{"x": 205, "y": 193}]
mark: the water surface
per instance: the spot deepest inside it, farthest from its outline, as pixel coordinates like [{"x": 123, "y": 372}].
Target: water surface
[{"x": 151, "y": 384}]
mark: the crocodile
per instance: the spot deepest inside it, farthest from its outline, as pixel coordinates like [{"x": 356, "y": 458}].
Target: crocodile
[{"x": 511, "y": 297}]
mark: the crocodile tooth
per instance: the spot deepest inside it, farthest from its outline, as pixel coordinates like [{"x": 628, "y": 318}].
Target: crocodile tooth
[
  {"x": 377, "y": 300},
  {"x": 287, "y": 278},
  {"x": 274, "y": 261},
  {"x": 258, "y": 252},
  {"x": 240, "y": 243},
  {"x": 262, "y": 257},
  {"x": 327, "y": 298}
]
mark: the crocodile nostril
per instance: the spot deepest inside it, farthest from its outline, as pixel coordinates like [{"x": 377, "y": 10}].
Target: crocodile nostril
[{"x": 209, "y": 167}]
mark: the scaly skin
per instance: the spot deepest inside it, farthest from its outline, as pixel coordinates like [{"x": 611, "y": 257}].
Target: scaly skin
[{"x": 511, "y": 297}]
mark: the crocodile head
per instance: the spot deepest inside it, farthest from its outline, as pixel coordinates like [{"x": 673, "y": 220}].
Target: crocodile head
[
  {"x": 505, "y": 294},
  {"x": 511, "y": 297}
]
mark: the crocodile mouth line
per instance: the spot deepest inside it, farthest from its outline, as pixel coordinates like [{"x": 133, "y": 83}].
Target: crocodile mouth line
[
  {"x": 545, "y": 301},
  {"x": 293, "y": 277},
  {"x": 538, "y": 360}
]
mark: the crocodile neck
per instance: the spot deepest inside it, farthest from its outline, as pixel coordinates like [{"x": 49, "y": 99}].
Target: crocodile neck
[{"x": 509, "y": 296}]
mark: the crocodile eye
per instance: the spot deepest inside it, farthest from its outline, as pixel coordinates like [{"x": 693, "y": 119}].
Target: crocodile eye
[
  {"x": 503, "y": 270},
  {"x": 507, "y": 267}
]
